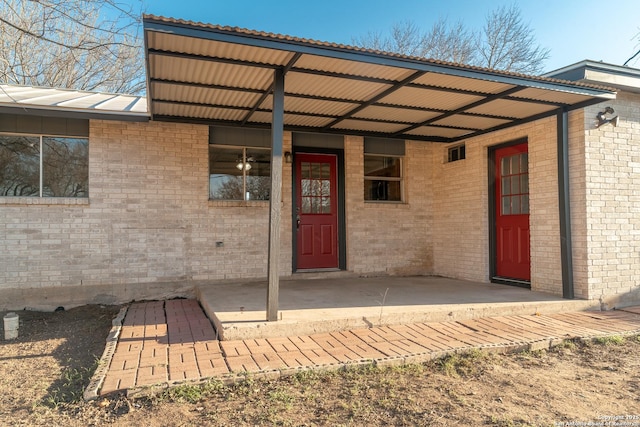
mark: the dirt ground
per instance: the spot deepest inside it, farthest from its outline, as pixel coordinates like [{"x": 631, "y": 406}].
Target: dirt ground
[{"x": 43, "y": 374}]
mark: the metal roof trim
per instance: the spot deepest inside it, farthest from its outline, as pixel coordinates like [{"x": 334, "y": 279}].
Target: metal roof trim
[
  {"x": 314, "y": 47},
  {"x": 132, "y": 110}
]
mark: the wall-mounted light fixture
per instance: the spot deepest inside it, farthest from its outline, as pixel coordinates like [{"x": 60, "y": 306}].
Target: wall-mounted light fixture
[
  {"x": 605, "y": 117},
  {"x": 244, "y": 164},
  {"x": 288, "y": 158}
]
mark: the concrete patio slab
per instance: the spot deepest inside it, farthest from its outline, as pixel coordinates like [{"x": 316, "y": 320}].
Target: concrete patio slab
[{"x": 238, "y": 310}]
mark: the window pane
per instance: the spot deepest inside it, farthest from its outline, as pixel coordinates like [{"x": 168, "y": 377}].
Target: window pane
[
  {"x": 525, "y": 204},
  {"x": 326, "y": 168},
  {"x": 326, "y": 205},
  {"x": 316, "y": 170},
  {"x": 316, "y": 188},
  {"x": 382, "y": 166},
  {"x": 19, "y": 166},
  {"x": 306, "y": 186},
  {"x": 382, "y": 190},
  {"x": 326, "y": 187},
  {"x": 306, "y": 205},
  {"x": 515, "y": 184},
  {"x": 515, "y": 164},
  {"x": 65, "y": 167},
  {"x": 504, "y": 166},
  {"x": 305, "y": 170},
  {"x": 524, "y": 183},
  {"x": 225, "y": 179},
  {"x": 259, "y": 176},
  {"x": 506, "y": 188},
  {"x": 506, "y": 205},
  {"x": 524, "y": 162},
  {"x": 515, "y": 205}
]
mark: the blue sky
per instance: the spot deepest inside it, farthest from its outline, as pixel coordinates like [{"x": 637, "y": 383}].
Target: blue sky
[{"x": 572, "y": 29}]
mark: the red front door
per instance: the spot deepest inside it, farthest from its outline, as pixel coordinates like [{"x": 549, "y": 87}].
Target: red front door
[
  {"x": 317, "y": 211},
  {"x": 512, "y": 212}
]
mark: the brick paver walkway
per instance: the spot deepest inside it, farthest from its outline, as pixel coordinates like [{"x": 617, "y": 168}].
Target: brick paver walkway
[{"x": 166, "y": 342}]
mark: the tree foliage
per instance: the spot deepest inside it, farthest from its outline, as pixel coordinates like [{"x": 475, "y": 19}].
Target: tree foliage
[
  {"x": 505, "y": 42},
  {"x": 81, "y": 44}
]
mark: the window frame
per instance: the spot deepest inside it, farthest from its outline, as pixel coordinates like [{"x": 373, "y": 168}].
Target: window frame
[
  {"x": 244, "y": 175},
  {"x": 41, "y": 137},
  {"x": 460, "y": 152},
  {"x": 399, "y": 179}
]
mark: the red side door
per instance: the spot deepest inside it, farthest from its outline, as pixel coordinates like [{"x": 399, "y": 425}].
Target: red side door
[
  {"x": 512, "y": 212},
  {"x": 317, "y": 211}
]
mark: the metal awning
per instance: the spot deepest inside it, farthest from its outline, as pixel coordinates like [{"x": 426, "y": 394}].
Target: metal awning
[
  {"x": 211, "y": 74},
  {"x": 58, "y": 102}
]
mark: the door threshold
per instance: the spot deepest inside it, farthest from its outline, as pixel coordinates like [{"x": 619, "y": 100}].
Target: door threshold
[
  {"x": 322, "y": 273},
  {"x": 317, "y": 270},
  {"x": 511, "y": 282}
]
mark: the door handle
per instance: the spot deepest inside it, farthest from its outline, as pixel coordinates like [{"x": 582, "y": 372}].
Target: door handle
[{"x": 297, "y": 222}]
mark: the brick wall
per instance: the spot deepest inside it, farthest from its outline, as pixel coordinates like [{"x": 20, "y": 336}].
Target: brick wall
[
  {"x": 460, "y": 226},
  {"x": 148, "y": 220},
  {"x": 612, "y": 196},
  {"x": 390, "y": 238}
]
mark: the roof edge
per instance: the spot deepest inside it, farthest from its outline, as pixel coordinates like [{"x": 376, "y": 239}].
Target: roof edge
[{"x": 160, "y": 23}]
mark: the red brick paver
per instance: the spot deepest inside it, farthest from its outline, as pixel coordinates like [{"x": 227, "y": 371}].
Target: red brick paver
[{"x": 171, "y": 341}]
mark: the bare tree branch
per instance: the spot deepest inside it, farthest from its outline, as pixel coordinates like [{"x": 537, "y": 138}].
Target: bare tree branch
[
  {"x": 504, "y": 43},
  {"x": 507, "y": 43},
  {"x": 80, "y": 44}
]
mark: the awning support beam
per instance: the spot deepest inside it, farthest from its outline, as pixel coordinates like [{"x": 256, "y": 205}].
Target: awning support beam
[
  {"x": 275, "y": 197},
  {"x": 566, "y": 251}
]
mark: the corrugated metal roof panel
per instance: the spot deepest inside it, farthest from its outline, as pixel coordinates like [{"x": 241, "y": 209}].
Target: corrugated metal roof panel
[
  {"x": 395, "y": 114},
  {"x": 427, "y": 131},
  {"x": 90, "y": 100},
  {"x": 11, "y": 93},
  {"x": 196, "y": 46},
  {"x": 483, "y": 73},
  {"x": 369, "y": 126},
  {"x": 202, "y": 95},
  {"x": 455, "y": 82},
  {"x": 209, "y": 72},
  {"x": 263, "y": 117},
  {"x": 321, "y": 63},
  {"x": 76, "y": 100},
  {"x": 473, "y": 122},
  {"x": 139, "y": 105},
  {"x": 545, "y": 95},
  {"x": 116, "y": 103},
  {"x": 509, "y": 108},
  {"x": 427, "y": 98},
  {"x": 312, "y": 106},
  {"x": 311, "y": 84},
  {"x": 56, "y": 97},
  {"x": 309, "y": 121},
  {"x": 197, "y": 112}
]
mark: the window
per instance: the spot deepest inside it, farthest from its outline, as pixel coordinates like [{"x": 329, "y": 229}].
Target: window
[
  {"x": 382, "y": 178},
  {"x": 239, "y": 173},
  {"x": 315, "y": 182},
  {"x": 514, "y": 184},
  {"x": 43, "y": 166},
  {"x": 456, "y": 153}
]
